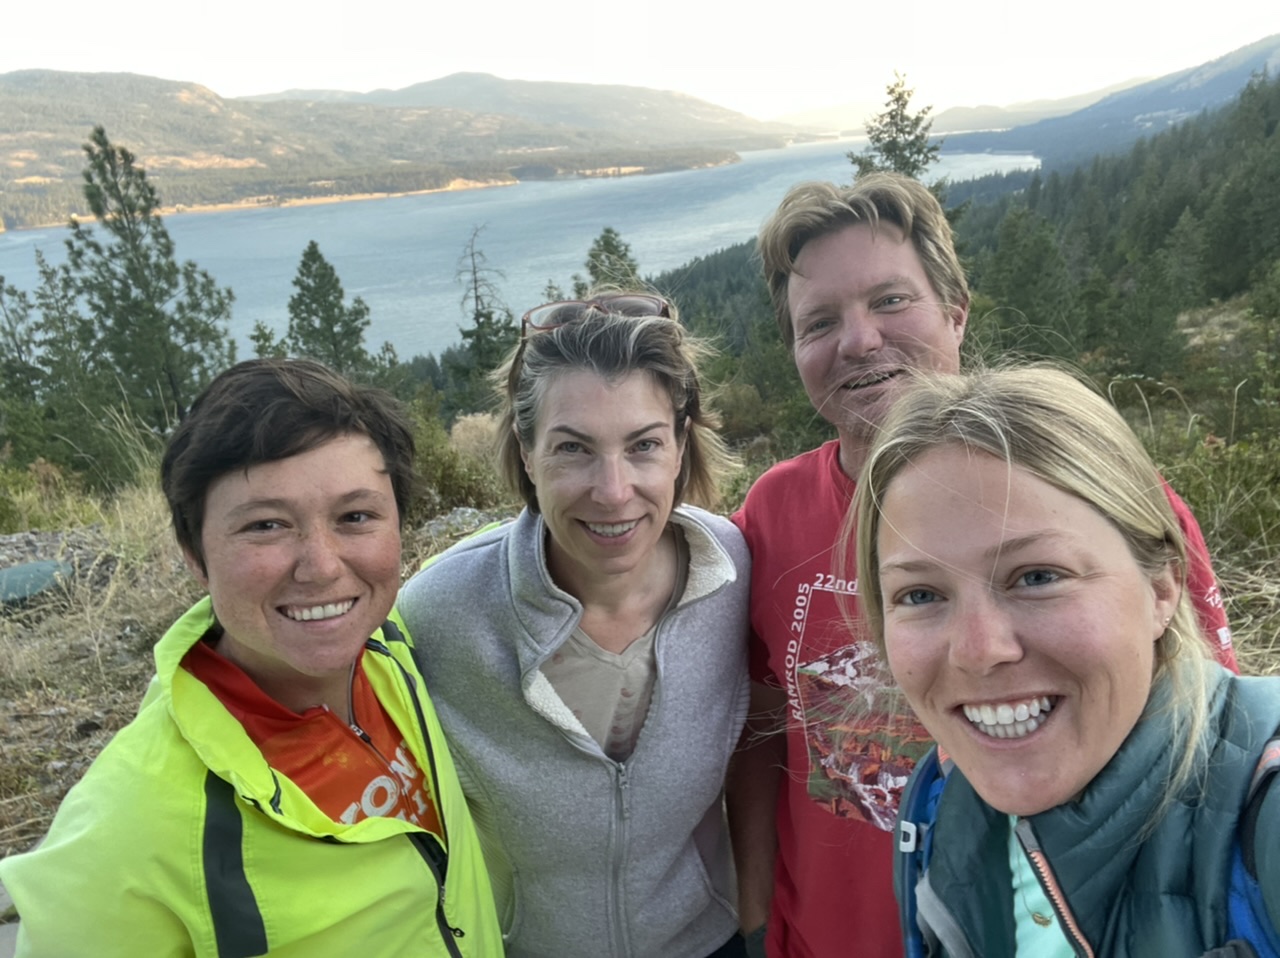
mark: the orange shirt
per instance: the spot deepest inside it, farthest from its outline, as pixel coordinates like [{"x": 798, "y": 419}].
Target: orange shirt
[{"x": 351, "y": 772}]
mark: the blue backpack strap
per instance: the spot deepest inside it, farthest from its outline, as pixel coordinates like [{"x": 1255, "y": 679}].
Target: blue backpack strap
[
  {"x": 1248, "y": 923},
  {"x": 913, "y": 834}
]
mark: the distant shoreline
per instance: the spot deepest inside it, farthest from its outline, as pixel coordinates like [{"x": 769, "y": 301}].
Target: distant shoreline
[
  {"x": 276, "y": 203},
  {"x": 272, "y": 202}
]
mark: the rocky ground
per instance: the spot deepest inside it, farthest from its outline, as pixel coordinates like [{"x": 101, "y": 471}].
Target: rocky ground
[{"x": 85, "y": 549}]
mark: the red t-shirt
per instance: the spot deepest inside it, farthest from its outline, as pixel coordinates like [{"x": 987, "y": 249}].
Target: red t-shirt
[
  {"x": 350, "y": 772},
  {"x": 833, "y": 878}
]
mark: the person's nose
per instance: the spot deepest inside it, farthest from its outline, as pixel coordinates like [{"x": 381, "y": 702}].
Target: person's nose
[
  {"x": 318, "y": 558},
  {"x": 982, "y": 635},
  {"x": 612, "y": 485},
  {"x": 860, "y": 333}
]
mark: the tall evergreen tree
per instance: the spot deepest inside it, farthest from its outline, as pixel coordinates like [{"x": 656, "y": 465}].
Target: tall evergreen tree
[
  {"x": 486, "y": 341},
  {"x": 321, "y": 325},
  {"x": 1028, "y": 279},
  {"x": 493, "y": 331},
  {"x": 20, "y": 375},
  {"x": 609, "y": 263},
  {"x": 159, "y": 326},
  {"x": 899, "y": 137}
]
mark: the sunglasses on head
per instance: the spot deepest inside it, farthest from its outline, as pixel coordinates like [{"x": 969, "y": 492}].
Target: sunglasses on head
[{"x": 550, "y": 316}]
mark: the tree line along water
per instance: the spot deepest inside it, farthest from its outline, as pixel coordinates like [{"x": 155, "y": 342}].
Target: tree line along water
[{"x": 400, "y": 254}]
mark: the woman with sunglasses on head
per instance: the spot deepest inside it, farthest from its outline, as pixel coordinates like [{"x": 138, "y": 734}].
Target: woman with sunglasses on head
[{"x": 588, "y": 660}]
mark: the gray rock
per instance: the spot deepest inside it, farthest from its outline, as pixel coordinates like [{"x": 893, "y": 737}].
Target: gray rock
[
  {"x": 83, "y": 555},
  {"x": 18, "y": 583},
  {"x": 459, "y": 522}
]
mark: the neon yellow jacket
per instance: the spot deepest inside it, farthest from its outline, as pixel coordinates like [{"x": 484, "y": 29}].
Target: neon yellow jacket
[{"x": 180, "y": 840}]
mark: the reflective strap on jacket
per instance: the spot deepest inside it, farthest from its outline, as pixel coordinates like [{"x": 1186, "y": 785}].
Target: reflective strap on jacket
[{"x": 237, "y": 922}]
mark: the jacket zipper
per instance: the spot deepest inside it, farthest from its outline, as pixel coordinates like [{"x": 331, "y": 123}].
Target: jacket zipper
[
  {"x": 448, "y": 933},
  {"x": 621, "y": 939},
  {"x": 1052, "y": 890}
]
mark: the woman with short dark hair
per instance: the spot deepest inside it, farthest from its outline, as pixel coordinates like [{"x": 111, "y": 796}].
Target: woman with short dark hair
[{"x": 285, "y": 790}]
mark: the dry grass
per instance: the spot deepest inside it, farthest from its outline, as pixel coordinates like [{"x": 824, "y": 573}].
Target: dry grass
[
  {"x": 1253, "y": 609},
  {"x": 73, "y": 666},
  {"x": 473, "y": 436}
]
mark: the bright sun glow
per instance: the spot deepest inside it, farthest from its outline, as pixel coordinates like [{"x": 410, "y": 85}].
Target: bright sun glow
[{"x": 992, "y": 52}]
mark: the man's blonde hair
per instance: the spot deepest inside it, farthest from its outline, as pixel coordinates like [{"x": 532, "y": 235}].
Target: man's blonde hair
[{"x": 812, "y": 210}]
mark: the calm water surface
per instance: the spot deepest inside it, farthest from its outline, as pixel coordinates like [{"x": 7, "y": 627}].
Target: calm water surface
[{"x": 401, "y": 254}]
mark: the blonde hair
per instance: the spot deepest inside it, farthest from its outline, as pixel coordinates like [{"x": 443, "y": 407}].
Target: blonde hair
[
  {"x": 613, "y": 346},
  {"x": 816, "y": 209},
  {"x": 1047, "y": 422}
]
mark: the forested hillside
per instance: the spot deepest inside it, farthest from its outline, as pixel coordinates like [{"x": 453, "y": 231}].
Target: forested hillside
[
  {"x": 1161, "y": 264},
  {"x": 1117, "y": 120},
  {"x": 638, "y": 114}
]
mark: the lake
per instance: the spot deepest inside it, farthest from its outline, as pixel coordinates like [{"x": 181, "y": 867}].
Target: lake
[{"x": 400, "y": 254}]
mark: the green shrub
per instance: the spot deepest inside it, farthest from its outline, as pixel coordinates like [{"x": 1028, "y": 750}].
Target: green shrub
[
  {"x": 44, "y": 496},
  {"x": 447, "y": 478}
]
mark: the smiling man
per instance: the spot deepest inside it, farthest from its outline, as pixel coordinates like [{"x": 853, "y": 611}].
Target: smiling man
[{"x": 867, "y": 290}]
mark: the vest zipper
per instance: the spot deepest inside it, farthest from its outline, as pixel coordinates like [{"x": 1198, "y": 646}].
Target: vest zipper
[{"x": 1052, "y": 890}]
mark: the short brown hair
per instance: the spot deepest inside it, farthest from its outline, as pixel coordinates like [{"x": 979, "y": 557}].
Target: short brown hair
[
  {"x": 263, "y": 410},
  {"x": 812, "y": 210}
]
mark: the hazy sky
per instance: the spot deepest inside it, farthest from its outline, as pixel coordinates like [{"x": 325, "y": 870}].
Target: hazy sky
[{"x": 802, "y": 54}]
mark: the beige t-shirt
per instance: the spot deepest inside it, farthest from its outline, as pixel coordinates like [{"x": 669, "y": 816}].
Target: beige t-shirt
[{"x": 608, "y": 692}]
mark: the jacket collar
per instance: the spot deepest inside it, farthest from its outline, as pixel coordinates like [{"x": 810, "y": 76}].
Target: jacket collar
[{"x": 548, "y": 613}]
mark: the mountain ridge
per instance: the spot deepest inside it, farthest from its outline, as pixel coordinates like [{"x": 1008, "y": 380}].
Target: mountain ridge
[
  {"x": 203, "y": 149},
  {"x": 475, "y": 129},
  {"x": 1118, "y": 120}
]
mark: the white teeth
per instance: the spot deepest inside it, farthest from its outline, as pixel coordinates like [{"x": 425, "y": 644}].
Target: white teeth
[
  {"x": 314, "y": 612},
  {"x": 1007, "y": 720},
  {"x": 612, "y": 529},
  {"x": 869, "y": 381}
]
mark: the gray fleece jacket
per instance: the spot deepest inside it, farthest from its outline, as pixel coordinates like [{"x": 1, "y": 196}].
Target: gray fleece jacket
[{"x": 590, "y": 857}]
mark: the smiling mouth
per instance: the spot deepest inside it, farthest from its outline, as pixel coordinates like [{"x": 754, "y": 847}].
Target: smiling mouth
[
  {"x": 314, "y": 613},
  {"x": 611, "y": 530},
  {"x": 871, "y": 379},
  {"x": 1009, "y": 719}
]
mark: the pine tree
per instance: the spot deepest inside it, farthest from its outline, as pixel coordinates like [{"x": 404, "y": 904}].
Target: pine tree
[
  {"x": 493, "y": 329},
  {"x": 899, "y": 138},
  {"x": 485, "y": 342},
  {"x": 321, "y": 325},
  {"x": 265, "y": 342},
  {"x": 609, "y": 264},
  {"x": 19, "y": 373},
  {"x": 159, "y": 327},
  {"x": 20, "y": 376},
  {"x": 1028, "y": 278}
]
